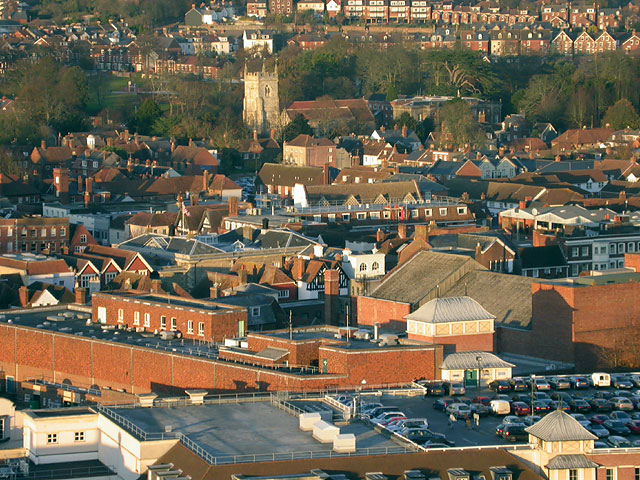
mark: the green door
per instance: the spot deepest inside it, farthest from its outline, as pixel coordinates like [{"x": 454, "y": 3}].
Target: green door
[
  {"x": 324, "y": 365},
  {"x": 471, "y": 378},
  {"x": 241, "y": 328}
]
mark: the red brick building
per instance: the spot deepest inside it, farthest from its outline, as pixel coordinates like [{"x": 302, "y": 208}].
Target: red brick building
[
  {"x": 194, "y": 319},
  {"x": 33, "y": 234}
]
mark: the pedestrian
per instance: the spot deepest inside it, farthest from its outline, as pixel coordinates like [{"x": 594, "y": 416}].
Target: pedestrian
[
  {"x": 467, "y": 422},
  {"x": 452, "y": 420},
  {"x": 476, "y": 420}
]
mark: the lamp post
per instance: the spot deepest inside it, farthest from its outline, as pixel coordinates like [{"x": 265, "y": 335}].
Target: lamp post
[
  {"x": 479, "y": 360},
  {"x": 533, "y": 386}
]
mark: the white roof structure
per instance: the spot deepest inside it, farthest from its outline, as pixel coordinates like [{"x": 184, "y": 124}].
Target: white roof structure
[
  {"x": 559, "y": 426},
  {"x": 450, "y": 309}
]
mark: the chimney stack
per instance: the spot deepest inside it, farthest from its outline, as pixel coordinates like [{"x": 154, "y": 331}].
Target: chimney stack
[
  {"x": 421, "y": 231},
  {"x": 247, "y": 233},
  {"x": 233, "y": 206},
  {"x": 255, "y": 135},
  {"x": 298, "y": 268},
  {"x": 331, "y": 295},
  {"x": 205, "y": 182},
  {"x": 89, "y": 185},
  {"x": 87, "y": 199},
  {"x": 23, "y": 295},
  {"x": 61, "y": 181},
  {"x": 81, "y": 296},
  {"x": 193, "y": 200},
  {"x": 380, "y": 236},
  {"x": 43, "y": 144},
  {"x": 214, "y": 291},
  {"x": 156, "y": 286},
  {"x": 80, "y": 184},
  {"x": 242, "y": 276},
  {"x": 402, "y": 230},
  {"x": 404, "y": 131}
]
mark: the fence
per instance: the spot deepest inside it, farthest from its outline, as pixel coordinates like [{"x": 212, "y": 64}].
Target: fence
[{"x": 63, "y": 474}]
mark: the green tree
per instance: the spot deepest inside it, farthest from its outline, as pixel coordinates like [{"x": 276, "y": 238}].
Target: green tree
[
  {"x": 621, "y": 115},
  {"x": 145, "y": 117},
  {"x": 299, "y": 125},
  {"x": 458, "y": 128},
  {"x": 422, "y": 128}
]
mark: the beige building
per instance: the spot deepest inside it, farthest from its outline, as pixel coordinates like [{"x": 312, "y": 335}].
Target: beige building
[{"x": 307, "y": 151}]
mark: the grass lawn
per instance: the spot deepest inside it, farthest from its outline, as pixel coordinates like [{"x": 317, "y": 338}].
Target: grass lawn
[{"x": 110, "y": 88}]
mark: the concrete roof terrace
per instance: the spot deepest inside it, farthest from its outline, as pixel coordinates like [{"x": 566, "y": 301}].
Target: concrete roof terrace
[{"x": 243, "y": 429}]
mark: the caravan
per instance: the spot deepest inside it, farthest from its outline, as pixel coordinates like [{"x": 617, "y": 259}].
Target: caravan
[{"x": 601, "y": 380}]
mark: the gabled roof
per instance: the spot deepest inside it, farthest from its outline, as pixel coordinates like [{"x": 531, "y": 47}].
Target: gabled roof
[
  {"x": 559, "y": 426},
  {"x": 567, "y": 462},
  {"x": 289, "y": 175},
  {"x": 450, "y": 309}
]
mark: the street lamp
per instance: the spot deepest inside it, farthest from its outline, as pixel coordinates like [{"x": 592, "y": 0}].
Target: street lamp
[
  {"x": 479, "y": 360},
  {"x": 533, "y": 385}
]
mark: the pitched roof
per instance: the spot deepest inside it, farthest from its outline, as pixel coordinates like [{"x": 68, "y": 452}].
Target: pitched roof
[
  {"x": 542, "y": 257},
  {"x": 559, "y": 426},
  {"x": 566, "y": 462},
  {"x": 469, "y": 360},
  {"x": 364, "y": 192},
  {"x": 451, "y": 309},
  {"x": 304, "y": 140},
  {"x": 288, "y": 175}
]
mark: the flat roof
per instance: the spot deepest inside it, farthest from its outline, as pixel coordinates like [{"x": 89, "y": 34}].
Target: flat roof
[
  {"x": 242, "y": 429},
  {"x": 594, "y": 280},
  {"x": 173, "y": 301}
]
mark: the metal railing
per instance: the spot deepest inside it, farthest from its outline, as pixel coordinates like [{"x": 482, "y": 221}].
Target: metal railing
[
  {"x": 73, "y": 472},
  {"x": 340, "y": 206}
]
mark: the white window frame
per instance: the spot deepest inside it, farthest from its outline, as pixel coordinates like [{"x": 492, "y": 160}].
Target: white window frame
[
  {"x": 201, "y": 329},
  {"x": 52, "y": 438},
  {"x": 120, "y": 315},
  {"x": 147, "y": 320},
  {"x": 136, "y": 318},
  {"x": 163, "y": 322},
  {"x": 78, "y": 437},
  {"x": 174, "y": 324},
  {"x": 189, "y": 326}
]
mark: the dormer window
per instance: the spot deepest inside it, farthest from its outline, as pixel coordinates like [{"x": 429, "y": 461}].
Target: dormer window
[
  {"x": 458, "y": 474},
  {"x": 501, "y": 473}
]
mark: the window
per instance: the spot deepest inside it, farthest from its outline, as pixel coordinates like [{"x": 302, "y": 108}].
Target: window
[
  {"x": 201, "y": 328},
  {"x": 147, "y": 320},
  {"x": 415, "y": 213},
  {"x": 346, "y": 217},
  {"x": 190, "y": 326},
  {"x": 120, "y": 315},
  {"x": 363, "y": 267},
  {"x": 53, "y": 231},
  {"x": 621, "y": 248},
  {"x": 34, "y": 233},
  {"x": 83, "y": 238},
  {"x": 109, "y": 276},
  {"x": 136, "y": 318},
  {"x": 53, "y": 438},
  {"x": 332, "y": 217},
  {"x": 573, "y": 474},
  {"x": 636, "y": 473},
  {"x": 78, "y": 437},
  {"x": 283, "y": 293},
  {"x": 631, "y": 247},
  {"x": 255, "y": 311},
  {"x": 386, "y": 214},
  {"x": 10, "y": 232},
  {"x": 612, "y": 248},
  {"x": 163, "y": 323},
  {"x": 174, "y": 324},
  {"x": 610, "y": 474},
  {"x": 575, "y": 252},
  {"x": 63, "y": 231},
  {"x": 443, "y": 212},
  {"x": 23, "y": 233},
  {"x": 427, "y": 212},
  {"x": 462, "y": 210},
  {"x": 374, "y": 215},
  {"x": 585, "y": 251},
  {"x": 43, "y": 232}
]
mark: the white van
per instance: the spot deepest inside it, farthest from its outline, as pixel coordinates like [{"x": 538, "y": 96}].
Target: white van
[
  {"x": 601, "y": 380},
  {"x": 500, "y": 407}
]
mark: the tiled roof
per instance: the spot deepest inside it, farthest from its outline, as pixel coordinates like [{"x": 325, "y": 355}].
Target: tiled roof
[
  {"x": 559, "y": 426},
  {"x": 566, "y": 462},
  {"x": 451, "y": 309}
]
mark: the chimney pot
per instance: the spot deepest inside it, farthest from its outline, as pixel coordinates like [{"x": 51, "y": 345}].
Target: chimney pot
[{"x": 81, "y": 296}]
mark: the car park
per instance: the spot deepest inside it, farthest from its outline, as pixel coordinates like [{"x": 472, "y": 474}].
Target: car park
[
  {"x": 483, "y": 400},
  {"x": 615, "y": 441},
  {"x": 366, "y": 408},
  {"x": 443, "y": 403},
  {"x": 600, "y": 404},
  {"x": 373, "y": 413},
  {"x": 579, "y": 405},
  {"x": 579, "y": 382},
  {"x": 600, "y": 444},
  {"x": 616, "y": 427},
  {"x": 436, "y": 389},
  {"x": 582, "y": 420},
  {"x": 515, "y": 432},
  {"x": 541, "y": 384},
  {"x": 500, "y": 407},
  {"x": 408, "y": 423},
  {"x": 385, "y": 417},
  {"x": 531, "y": 420},
  {"x": 392, "y": 421},
  {"x": 599, "y": 419},
  {"x": 518, "y": 385},
  {"x": 619, "y": 415},
  {"x": 601, "y": 380},
  {"x": 540, "y": 407}
]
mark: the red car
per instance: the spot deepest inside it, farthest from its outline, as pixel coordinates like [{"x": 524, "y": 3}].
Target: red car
[
  {"x": 482, "y": 400},
  {"x": 520, "y": 408},
  {"x": 599, "y": 419},
  {"x": 634, "y": 426}
]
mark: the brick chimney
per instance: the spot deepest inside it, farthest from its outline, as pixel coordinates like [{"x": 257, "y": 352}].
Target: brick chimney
[
  {"x": 331, "y": 295},
  {"x": 233, "y": 206},
  {"x": 89, "y": 185},
  {"x": 522, "y": 205},
  {"x": 156, "y": 286},
  {"x": 43, "y": 144},
  {"x": 325, "y": 175},
  {"x": 87, "y": 199},
  {"x": 247, "y": 233},
  {"x": 622, "y": 195},
  {"x": 129, "y": 165},
  {"x": 380, "y": 236},
  {"x": 298, "y": 268},
  {"x": 23, "y": 295},
  {"x": 81, "y": 296},
  {"x": 272, "y": 133},
  {"x": 255, "y": 135},
  {"x": 214, "y": 292},
  {"x": 61, "y": 181},
  {"x": 80, "y": 184},
  {"x": 193, "y": 200},
  {"x": 205, "y": 181},
  {"x": 402, "y": 230},
  {"x": 478, "y": 251},
  {"x": 421, "y": 231},
  {"x": 242, "y": 276},
  {"x": 404, "y": 131}
]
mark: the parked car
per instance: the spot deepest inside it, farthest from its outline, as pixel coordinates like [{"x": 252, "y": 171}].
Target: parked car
[
  {"x": 387, "y": 416},
  {"x": 500, "y": 407},
  {"x": 615, "y": 441},
  {"x": 530, "y": 420},
  {"x": 515, "y": 432},
  {"x": 579, "y": 405},
  {"x": 436, "y": 389},
  {"x": 579, "y": 382},
  {"x": 442, "y": 403},
  {"x": 599, "y": 419},
  {"x": 620, "y": 381},
  {"x": 500, "y": 386},
  {"x": 560, "y": 383},
  {"x": 600, "y": 404},
  {"x": 616, "y": 427},
  {"x": 409, "y": 423},
  {"x": 366, "y": 408},
  {"x": 518, "y": 385},
  {"x": 391, "y": 421},
  {"x": 425, "y": 435},
  {"x": 598, "y": 430},
  {"x": 564, "y": 396},
  {"x": 620, "y": 415},
  {"x": 373, "y": 413},
  {"x": 520, "y": 408},
  {"x": 621, "y": 403},
  {"x": 455, "y": 388},
  {"x": 459, "y": 410},
  {"x": 482, "y": 400},
  {"x": 601, "y": 380},
  {"x": 540, "y": 407},
  {"x": 634, "y": 426},
  {"x": 541, "y": 384}
]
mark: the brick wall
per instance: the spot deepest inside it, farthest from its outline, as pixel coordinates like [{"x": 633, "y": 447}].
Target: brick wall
[
  {"x": 300, "y": 352},
  {"x": 55, "y": 357},
  {"x": 218, "y": 324},
  {"x": 461, "y": 343},
  {"x": 374, "y": 310}
]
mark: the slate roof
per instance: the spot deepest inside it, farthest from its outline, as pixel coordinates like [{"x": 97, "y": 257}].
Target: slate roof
[
  {"x": 542, "y": 257},
  {"x": 413, "y": 280},
  {"x": 451, "y": 309},
  {"x": 288, "y": 175},
  {"x": 469, "y": 361},
  {"x": 566, "y": 462},
  {"x": 364, "y": 192},
  {"x": 559, "y": 426}
]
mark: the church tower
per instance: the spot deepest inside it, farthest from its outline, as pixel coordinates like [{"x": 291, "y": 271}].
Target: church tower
[{"x": 261, "y": 106}]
